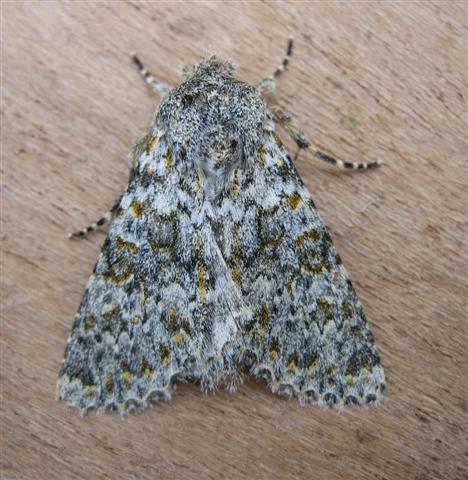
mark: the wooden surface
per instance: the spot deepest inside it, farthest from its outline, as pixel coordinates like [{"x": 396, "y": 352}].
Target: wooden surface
[{"x": 368, "y": 80}]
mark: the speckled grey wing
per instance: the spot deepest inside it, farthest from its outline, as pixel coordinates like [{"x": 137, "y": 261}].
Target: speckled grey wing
[
  {"x": 159, "y": 305},
  {"x": 309, "y": 336}
]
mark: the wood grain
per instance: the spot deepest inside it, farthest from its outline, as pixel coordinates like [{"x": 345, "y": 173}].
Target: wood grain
[{"x": 368, "y": 80}]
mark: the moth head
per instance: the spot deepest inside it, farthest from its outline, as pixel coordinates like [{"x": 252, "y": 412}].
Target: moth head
[
  {"x": 213, "y": 121},
  {"x": 211, "y": 66}
]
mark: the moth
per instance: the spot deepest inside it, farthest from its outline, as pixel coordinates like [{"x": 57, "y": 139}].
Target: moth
[{"x": 217, "y": 263}]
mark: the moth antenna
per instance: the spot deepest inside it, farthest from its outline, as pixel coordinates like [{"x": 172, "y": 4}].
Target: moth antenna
[
  {"x": 156, "y": 85},
  {"x": 285, "y": 120},
  {"x": 268, "y": 84},
  {"x": 342, "y": 163},
  {"x": 279, "y": 70},
  {"x": 96, "y": 225}
]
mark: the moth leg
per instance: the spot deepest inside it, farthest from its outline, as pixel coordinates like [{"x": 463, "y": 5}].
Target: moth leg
[
  {"x": 94, "y": 226},
  {"x": 268, "y": 84},
  {"x": 285, "y": 120},
  {"x": 158, "y": 87}
]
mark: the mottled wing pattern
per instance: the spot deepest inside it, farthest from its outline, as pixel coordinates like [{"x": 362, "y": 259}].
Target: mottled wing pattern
[
  {"x": 160, "y": 304},
  {"x": 308, "y": 336}
]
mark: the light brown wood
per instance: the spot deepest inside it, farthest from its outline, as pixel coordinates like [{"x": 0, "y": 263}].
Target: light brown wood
[{"x": 367, "y": 80}]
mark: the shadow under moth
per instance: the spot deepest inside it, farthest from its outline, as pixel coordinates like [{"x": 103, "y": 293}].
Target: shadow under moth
[{"x": 217, "y": 263}]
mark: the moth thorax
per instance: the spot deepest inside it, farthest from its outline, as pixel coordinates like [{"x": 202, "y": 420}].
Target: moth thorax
[{"x": 220, "y": 154}]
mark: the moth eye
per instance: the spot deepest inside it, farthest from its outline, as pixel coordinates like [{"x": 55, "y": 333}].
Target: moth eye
[
  {"x": 187, "y": 100},
  {"x": 233, "y": 144}
]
